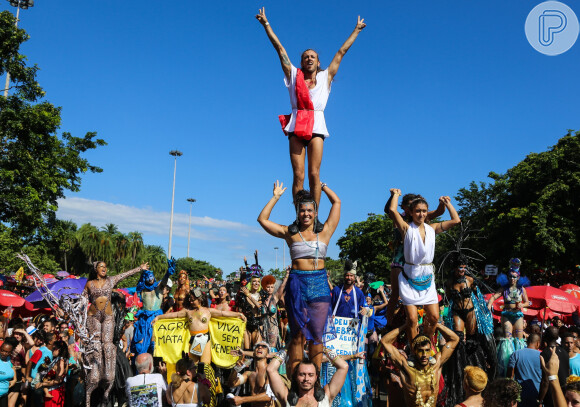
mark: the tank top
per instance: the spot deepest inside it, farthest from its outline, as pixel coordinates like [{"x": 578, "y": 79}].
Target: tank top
[{"x": 191, "y": 403}]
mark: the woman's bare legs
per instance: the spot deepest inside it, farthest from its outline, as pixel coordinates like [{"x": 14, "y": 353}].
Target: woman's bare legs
[
  {"x": 430, "y": 319},
  {"x": 295, "y": 351},
  {"x": 413, "y": 322}
]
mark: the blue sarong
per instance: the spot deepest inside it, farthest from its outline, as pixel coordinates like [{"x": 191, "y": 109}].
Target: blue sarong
[
  {"x": 142, "y": 339},
  {"x": 307, "y": 301}
]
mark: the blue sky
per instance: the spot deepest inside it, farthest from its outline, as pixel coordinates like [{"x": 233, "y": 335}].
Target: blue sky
[{"x": 431, "y": 96}]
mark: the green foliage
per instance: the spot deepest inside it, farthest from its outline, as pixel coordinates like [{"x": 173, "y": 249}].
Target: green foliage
[
  {"x": 530, "y": 212},
  {"x": 10, "y": 246},
  {"x": 368, "y": 242},
  {"x": 335, "y": 268},
  {"x": 36, "y": 165},
  {"x": 278, "y": 273},
  {"x": 197, "y": 269}
]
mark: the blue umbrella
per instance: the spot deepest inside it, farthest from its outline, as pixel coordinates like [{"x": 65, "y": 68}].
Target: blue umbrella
[{"x": 68, "y": 286}]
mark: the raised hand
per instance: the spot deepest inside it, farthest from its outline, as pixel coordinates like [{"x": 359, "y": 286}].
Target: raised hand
[
  {"x": 261, "y": 16},
  {"x": 278, "y": 189},
  {"x": 360, "y": 24},
  {"x": 395, "y": 191},
  {"x": 445, "y": 200},
  {"x": 144, "y": 266}
]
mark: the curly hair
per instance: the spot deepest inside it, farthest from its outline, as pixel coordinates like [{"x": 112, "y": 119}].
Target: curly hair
[
  {"x": 502, "y": 393},
  {"x": 407, "y": 198},
  {"x": 267, "y": 280}
]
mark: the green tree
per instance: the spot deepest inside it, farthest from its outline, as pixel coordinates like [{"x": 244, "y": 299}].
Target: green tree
[
  {"x": 530, "y": 211},
  {"x": 38, "y": 253},
  {"x": 196, "y": 269},
  {"x": 37, "y": 165},
  {"x": 368, "y": 243}
]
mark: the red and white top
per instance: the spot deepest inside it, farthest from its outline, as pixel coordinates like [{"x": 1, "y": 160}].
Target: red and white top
[{"x": 319, "y": 96}]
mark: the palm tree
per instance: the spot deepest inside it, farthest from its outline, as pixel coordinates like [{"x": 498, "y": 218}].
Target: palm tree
[
  {"x": 156, "y": 257},
  {"x": 89, "y": 240},
  {"x": 135, "y": 245}
]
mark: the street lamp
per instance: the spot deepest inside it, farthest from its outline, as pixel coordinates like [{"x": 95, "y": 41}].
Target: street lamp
[
  {"x": 174, "y": 153},
  {"x": 19, "y": 4},
  {"x": 276, "y": 248},
  {"x": 191, "y": 201}
]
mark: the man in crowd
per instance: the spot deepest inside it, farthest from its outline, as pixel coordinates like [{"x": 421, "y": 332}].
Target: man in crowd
[
  {"x": 550, "y": 342},
  {"x": 260, "y": 393},
  {"x": 146, "y": 388},
  {"x": 570, "y": 345},
  {"x": 420, "y": 378},
  {"x": 305, "y": 388},
  {"x": 45, "y": 342},
  {"x": 348, "y": 301},
  {"x": 49, "y": 325},
  {"x": 524, "y": 366}
]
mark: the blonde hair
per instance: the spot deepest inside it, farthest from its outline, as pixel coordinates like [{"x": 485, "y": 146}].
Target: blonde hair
[{"x": 475, "y": 378}]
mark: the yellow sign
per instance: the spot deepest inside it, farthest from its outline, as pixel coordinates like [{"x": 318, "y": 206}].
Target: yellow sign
[
  {"x": 226, "y": 334},
  {"x": 171, "y": 337},
  {"x": 19, "y": 275}
]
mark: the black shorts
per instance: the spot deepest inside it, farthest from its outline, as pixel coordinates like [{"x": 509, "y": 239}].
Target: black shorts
[{"x": 306, "y": 142}]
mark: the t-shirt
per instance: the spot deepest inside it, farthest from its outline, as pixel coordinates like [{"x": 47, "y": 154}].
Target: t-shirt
[
  {"x": 346, "y": 305},
  {"x": 563, "y": 371},
  {"x": 38, "y": 358},
  {"x": 145, "y": 390},
  {"x": 6, "y": 374},
  {"x": 528, "y": 373},
  {"x": 575, "y": 365},
  {"x": 129, "y": 333}
]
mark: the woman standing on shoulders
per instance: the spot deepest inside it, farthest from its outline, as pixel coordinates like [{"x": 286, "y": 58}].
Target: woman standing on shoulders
[
  {"x": 307, "y": 296},
  {"x": 416, "y": 280}
]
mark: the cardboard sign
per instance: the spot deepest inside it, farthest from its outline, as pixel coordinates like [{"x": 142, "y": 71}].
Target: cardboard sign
[
  {"x": 346, "y": 341},
  {"x": 490, "y": 270}
]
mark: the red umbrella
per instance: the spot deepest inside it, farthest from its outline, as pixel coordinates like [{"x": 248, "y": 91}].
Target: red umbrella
[
  {"x": 542, "y": 296},
  {"x": 9, "y": 299},
  {"x": 571, "y": 289},
  {"x": 498, "y": 305}
]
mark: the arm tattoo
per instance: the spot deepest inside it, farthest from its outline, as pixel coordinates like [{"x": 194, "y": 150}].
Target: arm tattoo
[{"x": 285, "y": 59}]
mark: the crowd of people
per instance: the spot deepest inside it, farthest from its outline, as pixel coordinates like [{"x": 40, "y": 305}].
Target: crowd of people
[
  {"x": 408, "y": 359},
  {"x": 304, "y": 340}
]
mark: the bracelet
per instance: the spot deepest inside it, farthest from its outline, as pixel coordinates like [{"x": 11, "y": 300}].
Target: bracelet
[
  {"x": 322, "y": 185},
  {"x": 553, "y": 377},
  {"x": 331, "y": 354},
  {"x": 266, "y": 24}
]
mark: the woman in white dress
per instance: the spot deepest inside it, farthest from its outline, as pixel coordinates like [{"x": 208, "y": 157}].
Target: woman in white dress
[{"x": 417, "y": 280}]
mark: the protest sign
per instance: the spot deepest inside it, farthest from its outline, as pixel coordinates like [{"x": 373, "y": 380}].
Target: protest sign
[
  {"x": 346, "y": 339},
  {"x": 226, "y": 334},
  {"x": 171, "y": 337}
]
